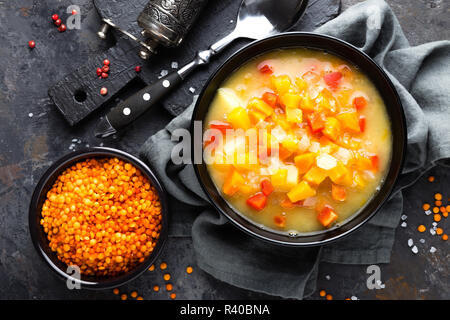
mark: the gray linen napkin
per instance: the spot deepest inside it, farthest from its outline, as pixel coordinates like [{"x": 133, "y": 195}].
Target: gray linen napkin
[{"x": 421, "y": 76}]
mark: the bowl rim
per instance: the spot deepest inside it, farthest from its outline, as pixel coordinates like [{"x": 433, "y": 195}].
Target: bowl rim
[
  {"x": 356, "y": 220},
  {"x": 47, "y": 179}
]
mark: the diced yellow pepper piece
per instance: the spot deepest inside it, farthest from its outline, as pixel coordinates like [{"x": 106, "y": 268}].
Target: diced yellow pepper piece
[
  {"x": 278, "y": 179},
  {"x": 315, "y": 175},
  {"x": 294, "y": 115},
  {"x": 305, "y": 161},
  {"x": 291, "y": 100},
  {"x": 349, "y": 120},
  {"x": 306, "y": 104},
  {"x": 281, "y": 121},
  {"x": 233, "y": 183},
  {"x": 340, "y": 174},
  {"x": 238, "y": 118},
  {"x": 332, "y": 128},
  {"x": 359, "y": 180},
  {"x": 281, "y": 84},
  {"x": 301, "y": 84},
  {"x": 290, "y": 143},
  {"x": 301, "y": 191},
  {"x": 259, "y": 105},
  {"x": 256, "y": 116}
]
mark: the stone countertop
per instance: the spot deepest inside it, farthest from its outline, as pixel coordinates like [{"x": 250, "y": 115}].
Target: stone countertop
[{"x": 33, "y": 135}]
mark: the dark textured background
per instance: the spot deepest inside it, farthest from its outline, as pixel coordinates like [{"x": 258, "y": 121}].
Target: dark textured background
[{"x": 28, "y": 145}]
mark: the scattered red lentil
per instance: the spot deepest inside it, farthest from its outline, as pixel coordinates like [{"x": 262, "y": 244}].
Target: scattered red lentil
[
  {"x": 189, "y": 270},
  {"x": 438, "y": 203},
  {"x": 329, "y": 297},
  {"x": 156, "y": 288},
  {"x": 438, "y": 196},
  {"x": 116, "y": 291},
  {"x": 152, "y": 267},
  {"x": 90, "y": 222},
  {"x": 442, "y": 209},
  {"x": 173, "y": 295},
  {"x": 123, "y": 297},
  {"x": 421, "y": 228},
  {"x": 134, "y": 294},
  {"x": 322, "y": 293},
  {"x": 137, "y": 68},
  {"x": 439, "y": 231},
  {"x": 167, "y": 277},
  {"x": 426, "y": 206},
  {"x": 139, "y": 298},
  {"x": 431, "y": 178},
  {"x": 437, "y": 217},
  {"x": 435, "y": 209},
  {"x": 31, "y": 44},
  {"x": 447, "y": 208},
  {"x": 444, "y": 237},
  {"x": 163, "y": 266},
  {"x": 103, "y": 91},
  {"x": 169, "y": 287},
  {"x": 445, "y": 214}
]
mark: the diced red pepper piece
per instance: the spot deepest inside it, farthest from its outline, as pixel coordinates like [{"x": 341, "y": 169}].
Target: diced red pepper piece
[
  {"x": 258, "y": 201},
  {"x": 327, "y": 216},
  {"x": 316, "y": 121},
  {"x": 266, "y": 187},
  {"x": 375, "y": 162},
  {"x": 270, "y": 98},
  {"x": 338, "y": 193},
  {"x": 332, "y": 79},
  {"x": 265, "y": 67},
  {"x": 362, "y": 123},
  {"x": 220, "y": 125},
  {"x": 359, "y": 103}
]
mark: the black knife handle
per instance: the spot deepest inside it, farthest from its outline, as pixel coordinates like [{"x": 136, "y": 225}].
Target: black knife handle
[{"x": 134, "y": 106}]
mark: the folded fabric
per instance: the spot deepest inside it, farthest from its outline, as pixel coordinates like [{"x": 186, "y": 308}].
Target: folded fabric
[{"x": 421, "y": 77}]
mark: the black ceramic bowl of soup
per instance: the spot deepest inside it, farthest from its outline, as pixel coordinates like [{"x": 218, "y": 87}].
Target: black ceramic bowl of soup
[
  {"x": 74, "y": 275},
  {"x": 350, "y": 124}
]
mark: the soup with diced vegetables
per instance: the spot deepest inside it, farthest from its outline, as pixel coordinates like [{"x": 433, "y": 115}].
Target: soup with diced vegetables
[{"x": 297, "y": 140}]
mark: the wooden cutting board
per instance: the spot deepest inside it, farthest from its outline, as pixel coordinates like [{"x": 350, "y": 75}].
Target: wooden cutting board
[{"x": 77, "y": 94}]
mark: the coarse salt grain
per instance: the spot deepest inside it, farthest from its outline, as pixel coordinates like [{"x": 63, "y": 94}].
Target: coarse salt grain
[
  {"x": 404, "y": 217},
  {"x": 192, "y": 90},
  {"x": 414, "y": 250},
  {"x": 428, "y": 212},
  {"x": 432, "y": 249},
  {"x": 30, "y": 114},
  {"x": 174, "y": 65},
  {"x": 327, "y": 277},
  {"x": 422, "y": 240},
  {"x": 354, "y": 298},
  {"x": 410, "y": 242},
  {"x": 432, "y": 231},
  {"x": 404, "y": 224},
  {"x": 163, "y": 73}
]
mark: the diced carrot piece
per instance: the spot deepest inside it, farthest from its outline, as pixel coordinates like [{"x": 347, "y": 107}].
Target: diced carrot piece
[
  {"x": 265, "y": 67},
  {"x": 339, "y": 174},
  {"x": 233, "y": 182},
  {"x": 280, "y": 221},
  {"x": 332, "y": 128},
  {"x": 333, "y": 79},
  {"x": 266, "y": 187},
  {"x": 316, "y": 121},
  {"x": 327, "y": 216},
  {"x": 315, "y": 175},
  {"x": 306, "y": 104},
  {"x": 362, "y": 123},
  {"x": 270, "y": 98},
  {"x": 258, "y": 201},
  {"x": 301, "y": 191},
  {"x": 349, "y": 120},
  {"x": 283, "y": 152},
  {"x": 338, "y": 193},
  {"x": 359, "y": 103},
  {"x": 256, "y": 116},
  {"x": 220, "y": 125},
  {"x": 259, "y": 105},
  {"x": 305, "y": 161}
]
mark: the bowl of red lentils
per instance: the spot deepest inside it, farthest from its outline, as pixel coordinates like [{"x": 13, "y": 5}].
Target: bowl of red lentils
[{"x": 98, "y": 217}]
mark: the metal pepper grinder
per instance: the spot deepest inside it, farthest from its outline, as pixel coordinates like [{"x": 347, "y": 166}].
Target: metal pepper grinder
[{"x": 164, "y": 22}]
